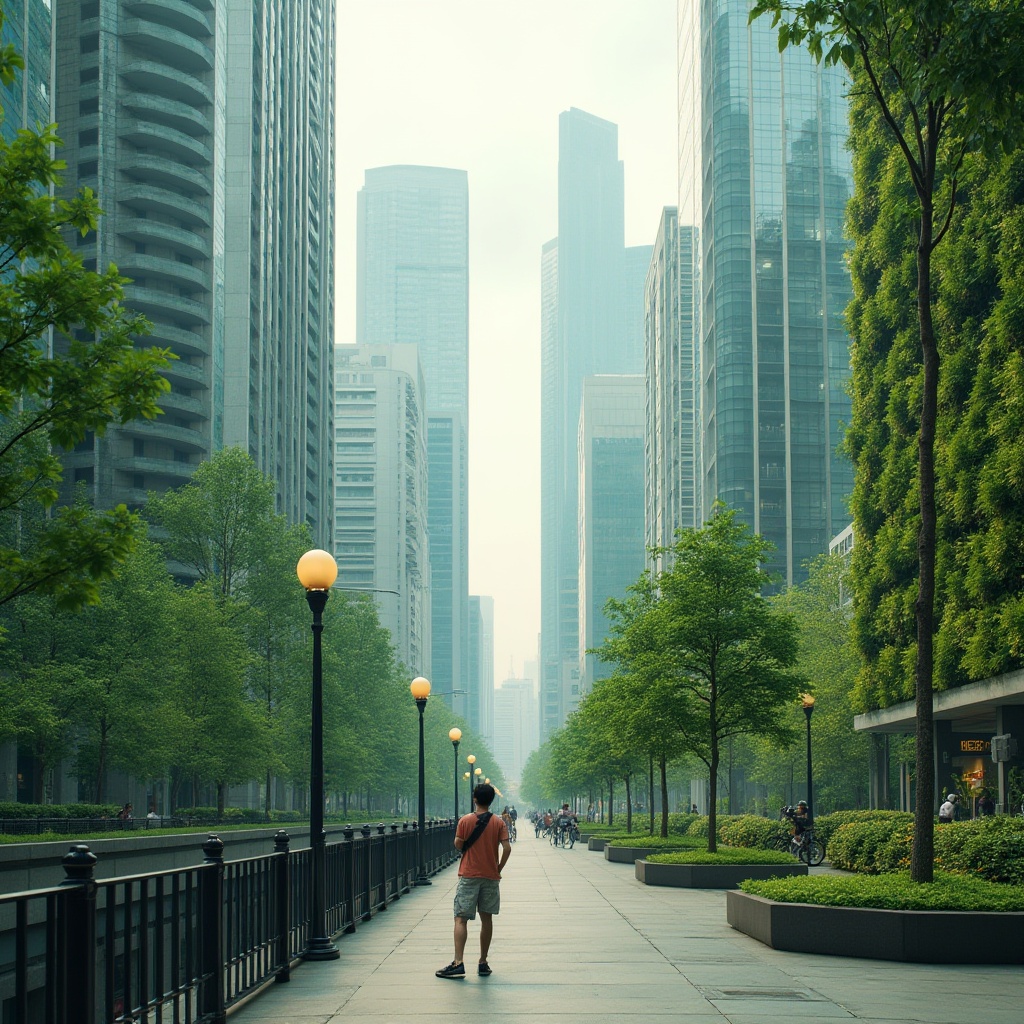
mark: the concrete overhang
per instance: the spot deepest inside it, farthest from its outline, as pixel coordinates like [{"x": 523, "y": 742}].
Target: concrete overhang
[{"x": 960, "y": 703}]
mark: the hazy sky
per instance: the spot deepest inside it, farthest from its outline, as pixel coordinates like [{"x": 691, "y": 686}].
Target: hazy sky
[{"x": 479, "y": 85}]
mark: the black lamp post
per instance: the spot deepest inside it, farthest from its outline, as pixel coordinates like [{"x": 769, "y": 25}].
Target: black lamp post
[
  {"x": 468, "y": 777},
  {"x": 420, "y": 690},
  {"x": 808, "y": 701},
  {"x": 317, "y": 570},
  {"x": 471, "y": 761},
  {"x": 455, "y": 735}
]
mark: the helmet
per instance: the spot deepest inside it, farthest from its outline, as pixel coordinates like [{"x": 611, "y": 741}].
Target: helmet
[
  {"x": 802, "y": 803},
  {"x": 952, "y": 797}
]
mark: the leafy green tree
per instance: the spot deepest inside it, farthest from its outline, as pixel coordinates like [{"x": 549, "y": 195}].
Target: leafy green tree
[
  {"x": 729, "y": 651},
  {"x": 68, "y": 366},
  {"x": 947, "y": 80}
]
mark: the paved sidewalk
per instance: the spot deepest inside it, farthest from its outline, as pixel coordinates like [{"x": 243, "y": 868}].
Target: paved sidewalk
[{"x": 579, "y": 938}]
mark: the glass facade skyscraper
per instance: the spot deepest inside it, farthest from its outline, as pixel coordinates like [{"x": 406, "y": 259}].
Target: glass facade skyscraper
[
  {"x": 413, "y": 287},
  {"x": 764, "y": 178},
  {"x": 27, "y": 100}
]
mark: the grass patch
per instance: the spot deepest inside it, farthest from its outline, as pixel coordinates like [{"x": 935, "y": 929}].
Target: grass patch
[
  {"x": 725, "y": 855},
  {"x": 892, "y": 892}
]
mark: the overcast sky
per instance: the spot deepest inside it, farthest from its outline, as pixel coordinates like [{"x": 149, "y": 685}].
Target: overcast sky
[{"x": 479, "y": 85}]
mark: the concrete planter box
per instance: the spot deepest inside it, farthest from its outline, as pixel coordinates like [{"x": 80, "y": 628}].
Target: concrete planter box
[
  {"x": 912, "y": 936},
  {"x": 629, "y": 854},
  {"x": 711, "y": 876},
  {"x": 595, "y": 843}
]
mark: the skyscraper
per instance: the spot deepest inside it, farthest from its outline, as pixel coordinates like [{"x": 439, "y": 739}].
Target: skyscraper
[
  {"x": 764, "y": 181},
  {"x": 591, "y": 323},
  {"x": 481, "y": 666},
  {"x": 413, "y": 287},
  {"x": 515, "y": 726},
  {"x": 278, "y": 240},
  {"x": 611, "y": 512},
  {"x": 206, "y": 131},
  {"x": 27, "y": 100},
  {"x": 380, "y": 494},
  {"x": 672, "y": 436}
]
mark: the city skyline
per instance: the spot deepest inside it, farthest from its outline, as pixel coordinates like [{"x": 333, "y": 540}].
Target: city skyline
[{"x": 402, "y": 100}]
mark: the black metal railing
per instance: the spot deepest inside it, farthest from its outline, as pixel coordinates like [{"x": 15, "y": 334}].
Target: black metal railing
[{"x": 182, "y": 946}]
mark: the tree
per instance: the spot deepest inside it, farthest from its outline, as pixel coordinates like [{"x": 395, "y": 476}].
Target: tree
[
  {"x": 220, "y": 523},
  {"x": 68, "y": 366},
  {"x": 947, "y": 80},
  {"x": 728, "y": 650}
]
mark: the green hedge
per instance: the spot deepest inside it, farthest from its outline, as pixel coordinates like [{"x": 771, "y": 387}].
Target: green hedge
[
  {"x": 990, "y": 848},
  {"x": 825, "y": 826},
  {"x": 656, "y": 842},
  {"x": 752, "y": 831},
  {"x": 16, "y": 810},
  {"x": 891, "y": 892},
  {"x": 725, "y": 855}
]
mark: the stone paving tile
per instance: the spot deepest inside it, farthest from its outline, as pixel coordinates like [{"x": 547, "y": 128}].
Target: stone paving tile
[{"x": 572, "y": 921}]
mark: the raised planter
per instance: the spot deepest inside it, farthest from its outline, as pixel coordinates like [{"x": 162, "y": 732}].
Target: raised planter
[
  {"x": 711, "y": 876},
  {"x": 912, "y": 936},
  {"x": 596, "y": 843},
  {"x": 629, "y": 854}
]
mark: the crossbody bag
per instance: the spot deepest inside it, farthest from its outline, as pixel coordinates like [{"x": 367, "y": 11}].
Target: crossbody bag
[{"x": 481, "y": 824}]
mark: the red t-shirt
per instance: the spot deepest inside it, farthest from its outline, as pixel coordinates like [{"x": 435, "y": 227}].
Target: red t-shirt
[{"x": 481, "y": 859}]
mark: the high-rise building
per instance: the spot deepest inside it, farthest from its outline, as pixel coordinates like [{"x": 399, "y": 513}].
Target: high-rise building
[
  {"x": 611, "y": 510},
  {"x": 27, "y": 100},
  {"x": 480, "y": 699},
  {"x": 380, "y": 493},
  {"x": 764, "y": 178},
  {"x": 206, "y": 132},
  {"x": 413, "y": 287},
  {"x": 278, "y": 241},
  {"x": 516, "y": 733},
  {"x": 672, "y": 376},
  {"x": 591, "y": 323}
]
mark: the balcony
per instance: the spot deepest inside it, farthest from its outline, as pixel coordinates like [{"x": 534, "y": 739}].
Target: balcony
[
  {"x": 174, "y": 401},
  {"x": 138, "y": 229},
  {"x": 158, "y": 170},
  {"x": 174, "y": 14},
  {"x": 161, "y": 139},
  {"x": 176, "y": 472},
  {"x": 183, "y": 117},
  {"x": 163, "y": 305},
  {"x": 182, "y": 342},
  {"x": 168, "y": 45},
  {"x": 151, "y": 198},
  {"x": 184, "y": 275},
  {"x": 158, "y": 430},
  {"x": 187, "y": 375},
  {"x": 151, "y": 76}
]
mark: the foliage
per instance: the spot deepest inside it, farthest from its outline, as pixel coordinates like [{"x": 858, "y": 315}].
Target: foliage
[
  {"x": 724, "y": 855},
  {"x": 25, "y": 811},
  {"x": 749, "y": 830},
  {"x": 646, "y": 842},
  {"x": 68, "y": 368},
  {"x": 825, "y": 825},
  {"x": 891, "y": 892}
]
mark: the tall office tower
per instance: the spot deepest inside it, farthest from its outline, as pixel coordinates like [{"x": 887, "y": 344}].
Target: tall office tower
[
  {"x": 413, "y": 287},
  {"x": 516, "y": 734},
  {"x": 278, "y": 241},
  {"x": 672, "y": 375},
  {"x": 591, "y": 323},
  {"x": 222, "y": 224},
  {"x": 380, "y": 493},
  {"x": 764, "y": 176},
  {"x": 27, "y": 100},
  {"x": 611, "y": 509},
  {"x": 480, "y": 700}
]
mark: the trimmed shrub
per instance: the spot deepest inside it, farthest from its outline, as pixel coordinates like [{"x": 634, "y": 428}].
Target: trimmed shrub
[
  {"x": 891, "y": 892},
  {"x": 725, "y": 855},
  {"x": 698, "y": 826},
  {"x": 657, "y": 842},
  {"x": 825, "y": 826},
  {"x": 678, "y": 824},
  {"x": 752, "y": 831},
  {"x": 16, "y": 810}
]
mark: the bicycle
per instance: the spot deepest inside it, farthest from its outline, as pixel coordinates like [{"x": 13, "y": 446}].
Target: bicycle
[
  {"x": 512, "y": 832},
  {"x": 805, "y": 846}
]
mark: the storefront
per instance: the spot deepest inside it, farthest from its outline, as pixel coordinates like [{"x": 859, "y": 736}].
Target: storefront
[{"x": 979, "y": 743}]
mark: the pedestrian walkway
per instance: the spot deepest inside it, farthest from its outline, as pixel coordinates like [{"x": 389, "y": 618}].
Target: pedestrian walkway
[{"x": 578, "y": 938}]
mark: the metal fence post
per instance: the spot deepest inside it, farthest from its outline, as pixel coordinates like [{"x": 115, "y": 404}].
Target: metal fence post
[
  {"x": 211, "y": 932},
  {"x": 79, "y": 954},
  {"x": 351, "y": 880},
  {"x": 283, "y": 906},
  {"x": 366, "y": 832}
]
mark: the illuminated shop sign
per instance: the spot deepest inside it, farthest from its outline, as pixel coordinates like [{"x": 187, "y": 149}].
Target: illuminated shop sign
[{"x": 975, "y": 746}]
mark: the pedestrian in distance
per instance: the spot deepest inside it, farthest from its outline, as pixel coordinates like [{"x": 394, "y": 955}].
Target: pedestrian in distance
[
  {"x": 947, "y": 812},
  {"x": 479, "y": 837}
]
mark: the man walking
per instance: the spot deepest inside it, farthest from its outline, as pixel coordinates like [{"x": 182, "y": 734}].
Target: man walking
[{"x": 478, "y": 836}]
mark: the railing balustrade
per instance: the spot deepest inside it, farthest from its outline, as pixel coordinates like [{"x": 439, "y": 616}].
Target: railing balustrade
[{"x": 182, "y": 946}]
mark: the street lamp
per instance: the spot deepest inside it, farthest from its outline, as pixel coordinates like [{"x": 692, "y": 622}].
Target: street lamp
[
  {"x": 317, "y": 570},
  {"x": 420, "y": 690},
  {"x": 808, "y": 702},
  {"x": 477, "y": 772},
  {"x": 455, "y": 735},
  {"x": 471, "y": 761}
]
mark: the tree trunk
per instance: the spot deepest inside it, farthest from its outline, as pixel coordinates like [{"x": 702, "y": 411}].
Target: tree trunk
[
  {"x": 267, "y": 802},
  {"x": 922, "y": 863},
  {"x": 650, "y": 794},
  {"x": 221, "y": 790},
  {"x": 629, "y": 805},
  {"x": 713, "y": 797},
  {"x": 611, "y": 801},
  {"x": 101, "y": 766},
  {"x": 664, "y": 796}
]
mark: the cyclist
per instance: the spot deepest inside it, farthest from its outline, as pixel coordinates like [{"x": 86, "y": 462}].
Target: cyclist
[
  {"x": 801, "y": 821},
  {"x": 566, "y": 818}
]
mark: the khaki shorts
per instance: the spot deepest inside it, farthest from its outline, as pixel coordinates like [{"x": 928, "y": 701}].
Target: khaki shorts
[{"x": 477, "y": 893}]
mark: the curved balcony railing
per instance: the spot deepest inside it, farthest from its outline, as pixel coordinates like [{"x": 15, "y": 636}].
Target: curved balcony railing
[
  {"x": 156, "y": 170},
  {"x": 163, "y": 200},
  {"x": 174, "y": 14},
  {"x": 184, "y": 117},
  {"x": 175, "y": 400},
  {"x": 144, "y": 229},
  {"x": 186, "y": 375},
  {"x": 177, "y": 49},
  {"x": 134, "y": 265},
  {"x": 169, "y": 468},
  {"x": 148, "y": 75},
  {"x": 184, "y": 343},
  {"x": 160, "y": 430},
  {"x": 163, "y": 305},
  {"x": 159, "y": 138}
]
